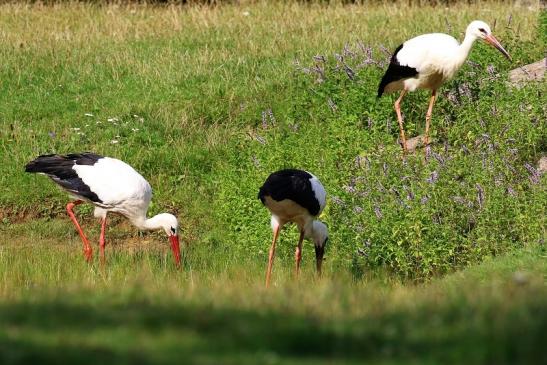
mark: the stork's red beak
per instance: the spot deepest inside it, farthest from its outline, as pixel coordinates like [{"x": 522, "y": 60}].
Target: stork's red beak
[
  {"x": 176, "y": 249},
  {"x": 494, "y": 42}
]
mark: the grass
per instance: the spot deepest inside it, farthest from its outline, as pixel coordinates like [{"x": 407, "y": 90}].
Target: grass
[
  {"x": 437, "y": 262},
  {"x": 138, "y": 309}
]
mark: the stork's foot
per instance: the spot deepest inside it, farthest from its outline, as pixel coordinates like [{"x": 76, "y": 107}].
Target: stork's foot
[{"x": 404, "y": 147}]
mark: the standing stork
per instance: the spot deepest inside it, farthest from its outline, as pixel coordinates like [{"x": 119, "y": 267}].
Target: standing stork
[
  {"x": 295, "y": 196},
  {"x": 112, "y": 186},
  {"x": 426, "y": 62}
]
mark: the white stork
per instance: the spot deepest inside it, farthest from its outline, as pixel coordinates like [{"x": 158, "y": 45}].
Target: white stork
[
  {"x": 426, "y": 62},
  {"x": 295, "y": 196},
  {"x": 112, "y": 186}
]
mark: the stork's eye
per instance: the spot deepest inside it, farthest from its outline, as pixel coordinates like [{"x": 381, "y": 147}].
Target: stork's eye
[
  {"x": 173, "y": 230},
  {"x": 482, "y": 30}
]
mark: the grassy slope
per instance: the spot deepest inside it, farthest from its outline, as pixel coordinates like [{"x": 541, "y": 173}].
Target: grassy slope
[{"x": 188, "y": 88}]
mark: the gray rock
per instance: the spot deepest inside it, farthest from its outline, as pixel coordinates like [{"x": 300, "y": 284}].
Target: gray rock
[
  {"x": 532, "y": 72},
  {"x": 542, "y": 165}
]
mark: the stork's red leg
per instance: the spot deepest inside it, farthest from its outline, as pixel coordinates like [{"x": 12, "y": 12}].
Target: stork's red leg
[
  {"x": 298, "y": 253},
  {"x": 102, "y": 240},
  {"x": 88, "y": 252},
  {"x": 400, "y": 119},
  {"x": 272, "y": 253},
  {"x": 428, "y": 119}
]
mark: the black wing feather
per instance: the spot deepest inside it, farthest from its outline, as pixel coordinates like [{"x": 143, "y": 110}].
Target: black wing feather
[
  {"x": 291, "y": 184},
  {"x": 395, "y": 72},
  {"x": 59, "y": 169}
]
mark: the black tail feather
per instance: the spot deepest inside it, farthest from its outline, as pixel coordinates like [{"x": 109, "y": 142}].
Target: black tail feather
[{"x": 60, "y": 169}]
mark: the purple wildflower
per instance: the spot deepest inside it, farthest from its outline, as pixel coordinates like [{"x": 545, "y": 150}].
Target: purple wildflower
[
  {"x": 534, "y": 174},
  {"x": 349, "y": 72},
  {"x": 268, "y": 118},
  {"x": 320, "y": 73},
  {"x": 336, "y": 200},
  {"x": 439, "y": 158},
  {"x": 424, "y": 199},
  {"x": 385, "y": 51},
  {"x": 272, "y": 117},
  {"x": 350, "y": 189},
  {"x": 472, "y": 64},
  {"x": 264, "y": 120},
  {"x": 357, "y": 209},
  {"x": 52, "y": 135},
  {"x": 402, "y": 203},
  {"x": 320, "y": 58},
  {"x": 511, "y": 192},
  {"x": 255, "y": 160},
  {"x": 378, "y": 212},
  {"x": 364, "y": 193},
  {"x": 453, "y": 98},
  {"x": 260, "y": 139},
  {"x": 432, "y": 179},
  {"x": 465, "y": 90},
  {"x": 409, "y": 193},
  {"x": 480, "y": 195},
  {"x": 363, "y": 251},
  {"x": 491, "y": 70},
  {"x": 367, "y": 53},
  {"x": 332, "y": 105},
  {"x": 348, "y": 52}
]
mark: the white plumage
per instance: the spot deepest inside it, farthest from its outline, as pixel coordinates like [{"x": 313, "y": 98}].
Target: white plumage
[
  {"x": 427, "y": 61},
  {"x": 120, "y": 188},
  {"x": 112, "y": 186},
  {"x": 319, "y": 191}
]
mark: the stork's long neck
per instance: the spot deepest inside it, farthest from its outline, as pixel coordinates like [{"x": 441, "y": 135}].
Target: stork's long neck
[
  {"x": 148, "y": 223},
  {"x": 465, "y": 48}
]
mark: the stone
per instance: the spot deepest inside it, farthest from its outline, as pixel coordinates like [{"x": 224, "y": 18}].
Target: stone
[
  {"x": 542, "y": 165},
  {"x": 532, "y": 72}
]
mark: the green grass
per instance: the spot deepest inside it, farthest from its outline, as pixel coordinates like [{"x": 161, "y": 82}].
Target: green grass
[
  {"x": 55, "y": 308},
  {"x": 205, "y": 102}
]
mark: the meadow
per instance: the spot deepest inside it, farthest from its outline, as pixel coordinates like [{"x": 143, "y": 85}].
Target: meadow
[{"x": 438, "y": 261}]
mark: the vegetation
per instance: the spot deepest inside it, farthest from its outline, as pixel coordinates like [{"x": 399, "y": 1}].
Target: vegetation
[{"x": 205, "y": 102}]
